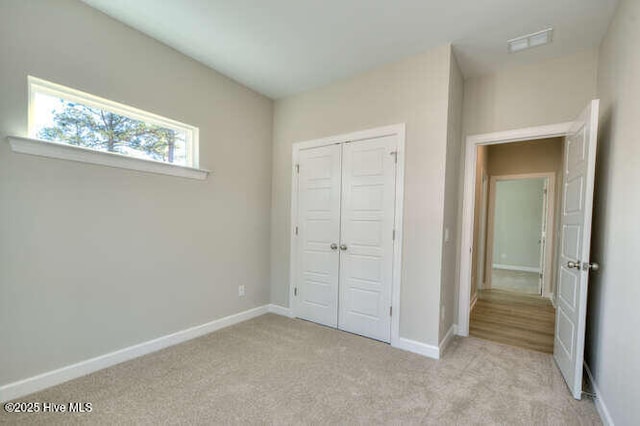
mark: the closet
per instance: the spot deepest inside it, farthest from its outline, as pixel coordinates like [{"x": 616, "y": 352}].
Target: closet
[{"x": 344, "y": 218}]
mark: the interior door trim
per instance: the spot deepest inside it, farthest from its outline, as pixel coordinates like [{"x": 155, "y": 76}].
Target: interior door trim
[
  {"x": 397, "y": 130},
  {"x": 468, "y": 209}
]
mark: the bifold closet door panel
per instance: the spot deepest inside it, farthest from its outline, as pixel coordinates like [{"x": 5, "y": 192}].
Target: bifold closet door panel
[
  {"x": 366, "y": 255},
  {"x": 317, "y": 263}
]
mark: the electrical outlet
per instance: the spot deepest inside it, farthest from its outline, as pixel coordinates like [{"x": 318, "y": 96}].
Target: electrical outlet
[
  {"x": 241, "y": 290},
  {"x": 446, "y": 235}
]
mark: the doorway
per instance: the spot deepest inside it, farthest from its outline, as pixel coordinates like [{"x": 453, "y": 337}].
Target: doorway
[
  {"x": 347, "y": 194},
  {"x": 521, "y": 215},
  {"x": 513, "y": 265},
  {"x": 572, "y": 251}
]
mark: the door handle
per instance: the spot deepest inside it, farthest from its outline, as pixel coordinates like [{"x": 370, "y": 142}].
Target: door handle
[
  {"x": 573, "y": 265},
  {"x": 333, "y": 246},
  {"x": 594, "y": 266},
  {"x": 585, "y": 266},
  {"x": 343, "y": 246}
]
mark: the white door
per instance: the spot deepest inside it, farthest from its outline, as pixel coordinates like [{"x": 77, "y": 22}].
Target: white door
[
  {"x": 316, "y": 287},
  {"x": 366, "y": 249},
  {"x": 575, "y": 239}
]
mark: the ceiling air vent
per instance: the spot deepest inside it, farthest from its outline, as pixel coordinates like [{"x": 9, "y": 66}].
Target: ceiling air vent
[{"x": 530, "y": 40}]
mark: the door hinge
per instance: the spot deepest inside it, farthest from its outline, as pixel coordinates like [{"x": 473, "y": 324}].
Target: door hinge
[
  {"x": 390, "y": 310},
  {"x": 395, "y": 156},
  {"x": 298, "y": 168},
  {"x": 393, "y": 235},
  {"x": 296, "y": 230},
  {"x": 295, "y": 291}
]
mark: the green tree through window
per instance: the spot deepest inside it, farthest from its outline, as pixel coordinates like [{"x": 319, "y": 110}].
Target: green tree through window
[{"x": 94, "y": 128}]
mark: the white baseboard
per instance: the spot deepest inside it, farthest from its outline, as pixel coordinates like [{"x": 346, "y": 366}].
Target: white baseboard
[
  {"x": 552, "y": 298},
  {"x": 424, "y": 349},
  {"x": 409, "y": 345},
  {"x": 280, "y": 310},
  {"x": 446, "y": 340},
  {"x": 51, "y": 378},
  {"x": 462, "y": 331},
  {"x": 601, "y": 407},
  {"x": 516, "y": 268},
  {"x": 419, "y": 348}
]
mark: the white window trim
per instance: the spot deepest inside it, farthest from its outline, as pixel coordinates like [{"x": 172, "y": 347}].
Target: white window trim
[
  {"x": 110, "y": 159},
  {"x": 37, "y": 85}
]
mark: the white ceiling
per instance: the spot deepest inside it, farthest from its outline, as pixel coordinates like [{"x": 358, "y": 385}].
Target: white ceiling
[{"x": 282, "y": 47}]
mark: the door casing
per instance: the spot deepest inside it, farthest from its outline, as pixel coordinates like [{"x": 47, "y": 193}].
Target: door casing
[
  {"x": 482, "y": 235},
  {"x": 468, "y": 207},
  {"x": 397, "y": 130}
]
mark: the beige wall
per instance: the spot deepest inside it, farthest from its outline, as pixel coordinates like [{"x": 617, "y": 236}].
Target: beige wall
[
  {"x": 414, "y": 91},
  {"x": 547, "y": 92},
  {"x": 451, "y": 247},
  {"x": 94, "y": 259},
  {"x": 539, "y": 156},
  {"x": 613, "y": 345}
]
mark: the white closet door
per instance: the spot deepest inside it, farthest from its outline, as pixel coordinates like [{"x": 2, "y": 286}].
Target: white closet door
[
  {"x": 366, "y": 250},
  {"x": 318, "y": 235}
]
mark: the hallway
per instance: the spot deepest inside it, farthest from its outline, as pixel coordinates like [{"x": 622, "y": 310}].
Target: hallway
[
  {"x": 519, "y": 281},
  {"x": 514, "y": 319}
]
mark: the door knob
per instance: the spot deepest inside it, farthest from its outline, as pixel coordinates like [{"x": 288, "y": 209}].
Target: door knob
[
  {"x": 573, "y": 265},
  {"x": 594, "y": 266},
  {"x": 343, "y": 246},
  {"x": 334, "y": 246}
]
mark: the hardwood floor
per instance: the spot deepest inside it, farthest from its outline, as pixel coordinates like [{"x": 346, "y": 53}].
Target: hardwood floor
[
  {"x": 514, "y": 319},
  {"x": 520, "y": 281}
]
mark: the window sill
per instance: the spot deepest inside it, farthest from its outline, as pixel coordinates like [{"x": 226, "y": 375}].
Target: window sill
[{"x": 109, "y": 159}]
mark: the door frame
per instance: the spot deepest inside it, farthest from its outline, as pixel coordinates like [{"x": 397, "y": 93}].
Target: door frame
[
  {"x": 546, "y": 260},
  {"x": 397, "y": 130},
  {"x": 481, "y": 254},
  {"x": 468, "y": 209}
]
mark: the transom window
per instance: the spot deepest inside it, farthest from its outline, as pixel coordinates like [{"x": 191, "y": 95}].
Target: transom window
[{"x": 64, "y": 115}]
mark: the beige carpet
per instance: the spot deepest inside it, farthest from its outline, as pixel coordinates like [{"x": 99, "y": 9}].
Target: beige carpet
[{"x": 274, "y": 370}]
